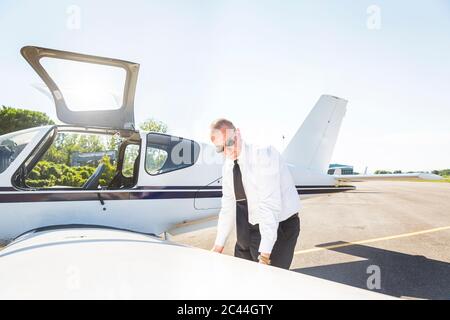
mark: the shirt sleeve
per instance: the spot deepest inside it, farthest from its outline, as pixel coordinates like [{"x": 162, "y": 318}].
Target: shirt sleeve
[
  {"x": 269, "y": 194},
  {"x": 228, "y": 210}
]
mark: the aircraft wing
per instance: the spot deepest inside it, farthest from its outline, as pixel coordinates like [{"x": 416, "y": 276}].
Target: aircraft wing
[
  {"x": 388, "y": 177},
  {"x": 99, "y": 263}
]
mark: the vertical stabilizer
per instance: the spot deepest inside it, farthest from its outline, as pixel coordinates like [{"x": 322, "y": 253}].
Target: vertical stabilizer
[{"x": 313, "y": 144}]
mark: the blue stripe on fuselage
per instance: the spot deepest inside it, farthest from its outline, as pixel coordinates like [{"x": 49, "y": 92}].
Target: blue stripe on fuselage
[{"x": 140, "y": 193}]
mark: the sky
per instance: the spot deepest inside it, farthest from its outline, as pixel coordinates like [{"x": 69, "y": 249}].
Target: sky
[{"x": 263, "y": 64}]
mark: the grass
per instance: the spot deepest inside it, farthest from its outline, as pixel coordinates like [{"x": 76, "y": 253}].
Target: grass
[{"x": 445, "y": 180}]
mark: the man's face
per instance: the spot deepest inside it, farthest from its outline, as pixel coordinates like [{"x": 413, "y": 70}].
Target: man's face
[{"x": 225, "y": 141}]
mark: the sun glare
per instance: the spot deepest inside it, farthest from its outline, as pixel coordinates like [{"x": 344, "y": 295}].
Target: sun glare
[{"x": 86, "y": 86}]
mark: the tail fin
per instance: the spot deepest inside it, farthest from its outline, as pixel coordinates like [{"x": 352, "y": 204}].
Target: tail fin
[{"x": 313, "y": 144}]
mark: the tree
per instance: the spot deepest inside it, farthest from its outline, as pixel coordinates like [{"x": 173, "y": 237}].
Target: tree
[
  {"x": 153, "y": 125},
  {"x": 444, "y": 173},
  {"x": 382, "y": 172},
  {"x": 13, "y": 119},
  {"x": 66, "y": 144}
]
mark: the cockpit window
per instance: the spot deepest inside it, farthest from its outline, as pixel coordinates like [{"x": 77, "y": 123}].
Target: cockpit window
[
  {"x": 167, "y": 153},
  {"x": 129, "y": 160},
  {"x": 12, "y": 144},
  {"x": 72, "y": 160},
  {"x": 156, "y": 158}
]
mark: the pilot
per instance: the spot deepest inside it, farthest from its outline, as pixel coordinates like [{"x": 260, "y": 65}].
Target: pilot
[{"x": 259, "y": 198}]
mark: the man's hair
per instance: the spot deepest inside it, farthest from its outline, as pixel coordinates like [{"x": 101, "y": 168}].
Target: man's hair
[{"x": 222, "y": 123}]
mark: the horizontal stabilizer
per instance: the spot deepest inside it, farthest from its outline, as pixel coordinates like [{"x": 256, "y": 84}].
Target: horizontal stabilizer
[{"x": 391, "y": 177}]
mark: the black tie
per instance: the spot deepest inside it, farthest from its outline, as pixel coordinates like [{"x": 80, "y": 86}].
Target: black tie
[
  {"x": 239, "y": 191},
  {"x": 242, "y": 225}
]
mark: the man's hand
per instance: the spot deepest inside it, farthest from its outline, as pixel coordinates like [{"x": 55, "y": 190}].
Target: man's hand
[
  {"x": 218, "y": 249},
  {"x": 264, "y": 258}
]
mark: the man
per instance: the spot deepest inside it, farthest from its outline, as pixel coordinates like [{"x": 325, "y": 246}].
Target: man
[{"x": 259, "y": 197}]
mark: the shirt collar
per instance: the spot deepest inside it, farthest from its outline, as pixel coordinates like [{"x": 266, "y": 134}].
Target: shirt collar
[{"x": 242, "y": 155}]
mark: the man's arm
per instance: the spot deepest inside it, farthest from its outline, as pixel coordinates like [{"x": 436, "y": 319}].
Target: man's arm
[
  {"x": 269, "y": 193},
  {"x": 227, "y": 213}
]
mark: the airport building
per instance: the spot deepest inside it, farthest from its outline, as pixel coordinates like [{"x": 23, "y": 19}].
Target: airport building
[
  {"x": 84, "y": 158},
  {"x": 345, "y": 169}
]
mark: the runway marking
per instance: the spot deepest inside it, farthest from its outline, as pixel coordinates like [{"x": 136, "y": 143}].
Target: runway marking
[{"x": 404, "y": 235}]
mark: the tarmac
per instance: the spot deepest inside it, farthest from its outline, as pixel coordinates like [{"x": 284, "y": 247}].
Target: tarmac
[{"x": 389, "y": 237}]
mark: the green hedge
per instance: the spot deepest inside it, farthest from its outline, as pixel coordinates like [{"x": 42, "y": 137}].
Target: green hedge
[{"x": 49, "y": 174}]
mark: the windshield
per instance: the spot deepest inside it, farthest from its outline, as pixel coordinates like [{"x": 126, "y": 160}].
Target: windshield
[
  {"x": 87, "y": 86},
  {"x": 12, "y": 144}
]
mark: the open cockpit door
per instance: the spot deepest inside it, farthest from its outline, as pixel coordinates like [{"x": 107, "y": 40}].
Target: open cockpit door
[{"x": 87, "y": 90}]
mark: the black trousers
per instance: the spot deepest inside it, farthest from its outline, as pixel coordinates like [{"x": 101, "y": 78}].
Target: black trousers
[{"x": 249, "y": 238}]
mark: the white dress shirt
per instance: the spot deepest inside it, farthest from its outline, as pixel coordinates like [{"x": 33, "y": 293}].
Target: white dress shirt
[{"x": 271, "y": 194}]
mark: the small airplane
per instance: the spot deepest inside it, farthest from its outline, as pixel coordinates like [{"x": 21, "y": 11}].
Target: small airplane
[
  {"x": 174, "y": 184},
  {"x": 101, "y": 241}
]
